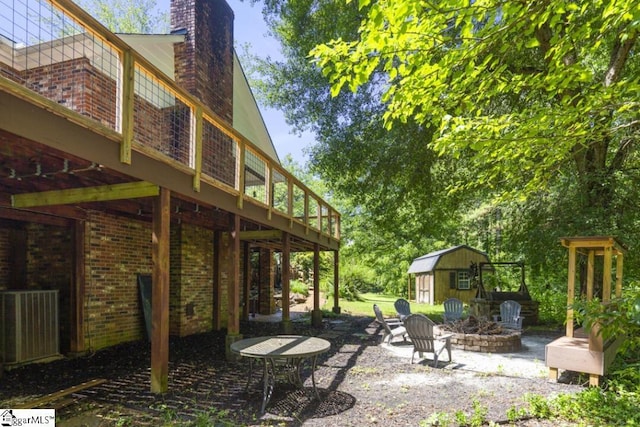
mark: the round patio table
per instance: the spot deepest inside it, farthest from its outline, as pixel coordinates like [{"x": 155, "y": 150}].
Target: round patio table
[{"x": 281, "y": 354}]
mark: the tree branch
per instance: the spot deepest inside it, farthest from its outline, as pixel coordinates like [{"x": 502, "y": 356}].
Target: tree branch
[{"x": 619, "y": 55}]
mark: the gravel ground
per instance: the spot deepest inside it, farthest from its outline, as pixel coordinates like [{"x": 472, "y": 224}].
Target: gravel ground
[{"x": 361, "y": 382}]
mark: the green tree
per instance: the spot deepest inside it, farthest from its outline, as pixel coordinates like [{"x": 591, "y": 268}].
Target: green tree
[
  {"x": 540, "y": 99},
  {"x": 128, "y": 16},
  {"x": 388, "y": 180},
  {"x": 522, "y": 89},
  {"x": 461, "y": 111}
]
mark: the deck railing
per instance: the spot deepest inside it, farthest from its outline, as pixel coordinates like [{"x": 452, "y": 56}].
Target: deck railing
[{"x": 60, "y": 52}]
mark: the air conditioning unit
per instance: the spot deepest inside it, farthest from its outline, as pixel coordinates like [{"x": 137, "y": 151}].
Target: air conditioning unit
[{"x": 29, "y": 326}]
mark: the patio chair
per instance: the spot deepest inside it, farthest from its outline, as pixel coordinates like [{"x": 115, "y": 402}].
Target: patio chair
[
  {"x": 453, "y": 308},
  {"x": 402, "y": 308},
  {"x": 509, "y": 315},
  {"x": 392, "y": 327},
  {"x": 420, "y": 331}
]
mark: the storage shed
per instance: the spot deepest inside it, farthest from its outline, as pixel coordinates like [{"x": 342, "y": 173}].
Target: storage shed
[{"x": 445, "y": 274}]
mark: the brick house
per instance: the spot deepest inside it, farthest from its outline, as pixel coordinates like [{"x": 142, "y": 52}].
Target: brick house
[{"x": 125, "y": 157}]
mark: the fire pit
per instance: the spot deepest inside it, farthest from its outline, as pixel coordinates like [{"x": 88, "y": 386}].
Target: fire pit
[{"x": 485, "y": 336}]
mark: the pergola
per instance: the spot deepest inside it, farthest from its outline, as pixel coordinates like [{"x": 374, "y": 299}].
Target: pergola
[{"x": 581, "y": 350}]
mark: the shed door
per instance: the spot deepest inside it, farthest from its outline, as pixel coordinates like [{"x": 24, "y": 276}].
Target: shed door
[{"x": 424, "y": 288}]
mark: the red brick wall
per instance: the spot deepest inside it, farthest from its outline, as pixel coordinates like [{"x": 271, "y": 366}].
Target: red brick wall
[
  {"x": 191, "y": 279},
  {"x": 50, "y": 266},
  {"x": 10, "y": 73},
  {"x": 204, "y": 62},
  {"x": 204, "y": 67},
  {"x": 77, "y": 85},
  {"x": 117, "y": 250}
]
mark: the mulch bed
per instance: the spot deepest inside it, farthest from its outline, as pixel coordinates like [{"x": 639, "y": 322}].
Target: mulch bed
[
  {"x": 360, "y": 383},
  {"x": 201, "y": 382}
]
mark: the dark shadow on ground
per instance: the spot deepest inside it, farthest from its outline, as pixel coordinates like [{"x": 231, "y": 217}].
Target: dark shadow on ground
[{"x": 201, "y": 381}]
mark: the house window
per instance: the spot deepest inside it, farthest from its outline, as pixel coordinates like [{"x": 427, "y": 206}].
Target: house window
[{"x": 464, "y": 281}]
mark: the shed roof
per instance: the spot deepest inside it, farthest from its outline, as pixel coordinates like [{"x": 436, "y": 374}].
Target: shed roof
[{"x": 428, "y": 262}]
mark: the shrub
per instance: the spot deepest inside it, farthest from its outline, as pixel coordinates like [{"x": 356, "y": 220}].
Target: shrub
[
  {"x": 297, "y": 287},
  {"x": 354, "y": 279}
]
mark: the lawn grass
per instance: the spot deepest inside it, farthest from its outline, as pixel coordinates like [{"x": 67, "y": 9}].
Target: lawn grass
[{"x": 364, "y": 307}]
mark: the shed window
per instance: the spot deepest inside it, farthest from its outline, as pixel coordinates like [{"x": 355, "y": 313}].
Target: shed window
[{"x": 464, "y": 281}]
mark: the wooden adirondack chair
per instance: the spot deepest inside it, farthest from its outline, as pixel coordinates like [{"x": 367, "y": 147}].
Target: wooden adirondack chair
[
  {"x": 420, "y": 331},
  {"x": 453, "y": 309},
  {"x": 392, "y": 327},
  {"x": 402, "y": 308},
  {"x": 510, "y": 315}
]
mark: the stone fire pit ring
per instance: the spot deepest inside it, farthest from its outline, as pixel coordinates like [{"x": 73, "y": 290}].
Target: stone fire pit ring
[{"x": 507, "y": 342}]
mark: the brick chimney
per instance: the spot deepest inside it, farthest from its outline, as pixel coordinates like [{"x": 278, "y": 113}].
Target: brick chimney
[{"x": 204, "y": 62}]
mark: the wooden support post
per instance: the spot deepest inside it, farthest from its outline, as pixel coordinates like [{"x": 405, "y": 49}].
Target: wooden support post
[
  {"x": 246, "y": 281},
  {"x": 571, "y": 287},
  {"x": 619, "y": 261},
  {"x": 336, "y": 282},
  {"x": 606, "y": 274},
  {"x": 287, "y": 328},
  {"x": 316, "y": 315},
  {"x": 233, "y": 286},
  {"x": 196, "y": 145},
  {"x": 233, "y": 322},
  {"x": 590, "y": 273},
  {"x": 77, "y": 289},
  {"x": 160, "y": 293},
  {"x": 128, "y": 97}
]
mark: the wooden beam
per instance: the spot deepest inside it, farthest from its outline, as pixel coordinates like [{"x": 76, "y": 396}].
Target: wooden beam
[
  {"x": 316, "y": 276},
  {"x": 590, "y": 274},
  {"x": 197, "y": 140},
  {"x": 286, "y": 277},
  {"x": 240, "y": 172},
  {"x": 127, "y": 120},
  {"x": 233, "y": 321},
  {"x": 619, "y": 262},
  {"x": 261, "y": 235},
  {"x": 46, "y": 400},
  {"x": 246, "y": 282},
  {"x": 336, "y": 282},
  {"x": 316, "y": 314},
  {"x": 129, "y": 190},
  {"x": 160, "y": 293},
  {"x": 571, "y": 288},
  {"x": 606, "y": 274}
]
